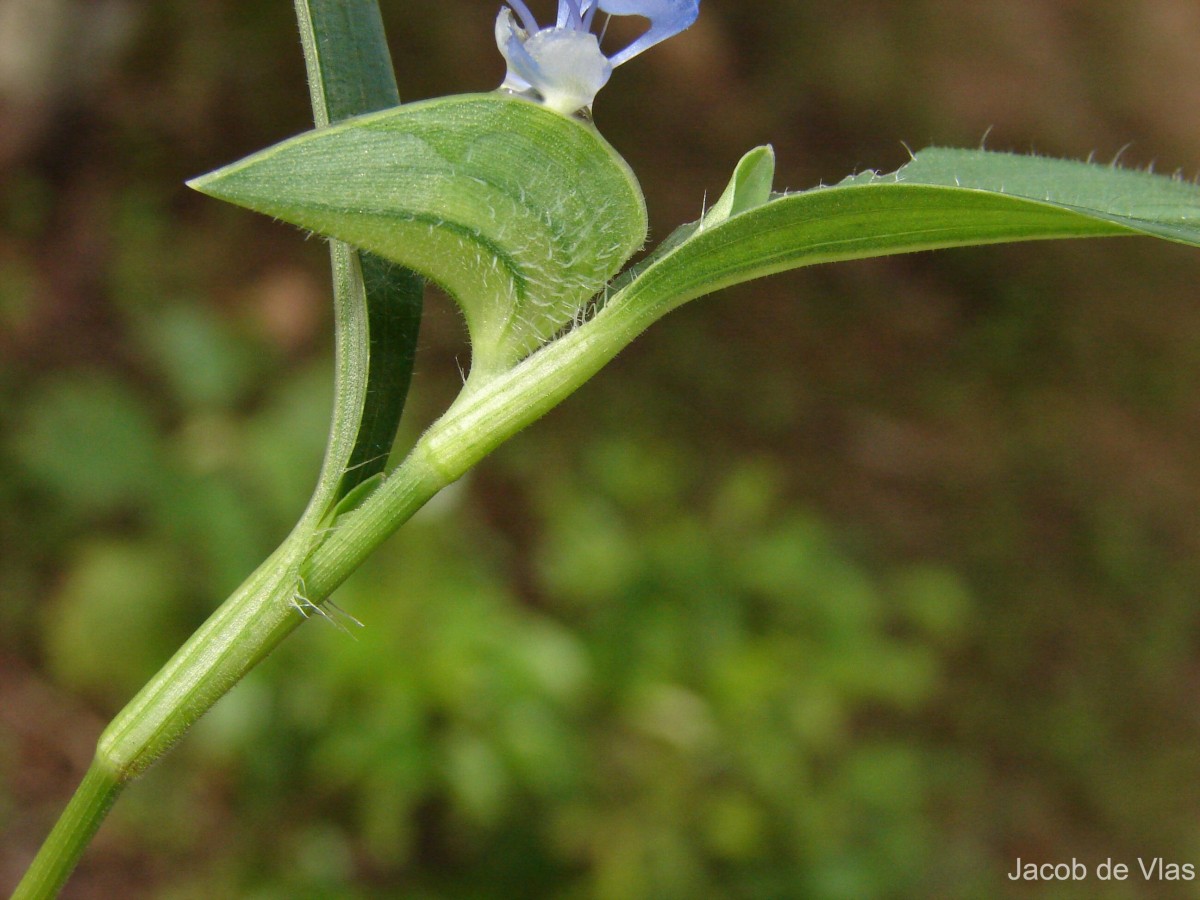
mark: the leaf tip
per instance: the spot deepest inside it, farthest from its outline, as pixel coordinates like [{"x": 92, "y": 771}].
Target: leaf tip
[{"x": 209, "y": 184}]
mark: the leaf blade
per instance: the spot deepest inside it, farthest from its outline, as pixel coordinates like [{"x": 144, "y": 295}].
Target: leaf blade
[
  {"x": 347, "y": 58},
  {"x": 520, "y": 213},
  {"x": 941, "y": 200},
  {"x": 1166, "y": 207},
  {"x": 377, "y": 304}
]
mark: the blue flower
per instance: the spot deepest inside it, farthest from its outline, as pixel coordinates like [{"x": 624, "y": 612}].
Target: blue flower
[{"x": 563, "y": 65}]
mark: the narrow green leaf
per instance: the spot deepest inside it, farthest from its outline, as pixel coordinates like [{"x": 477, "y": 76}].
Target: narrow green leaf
[
  {"x": 377, "y": 303},
  {"x": 520, "y": 213},
  {"x": 395, "y": 296},
  {"x": 346, "y": 54},
  {"x": 1145, "y": 203},
  {"x": 943, "y": 198}
]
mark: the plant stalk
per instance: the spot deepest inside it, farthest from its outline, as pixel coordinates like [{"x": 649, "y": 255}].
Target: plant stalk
[
  {"x": 297, "y": 579},
  {"x": 71, "y": 834},
  {"x": 350, "y": 72}
]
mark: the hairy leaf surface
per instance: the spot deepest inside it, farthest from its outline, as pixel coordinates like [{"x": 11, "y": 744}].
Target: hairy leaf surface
[
  {"x": 943, "y": 198},
  {"x": 520, "y": 213}
]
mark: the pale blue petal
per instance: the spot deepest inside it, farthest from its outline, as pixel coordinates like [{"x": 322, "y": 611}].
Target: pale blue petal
[
  {"x": 667, "y": 18},
  {"x": 509, "y": 40},
  {"x": 569, "y": 15},
  {"x": 527, "y": 18},
  {"x": 520, "y": 64}
]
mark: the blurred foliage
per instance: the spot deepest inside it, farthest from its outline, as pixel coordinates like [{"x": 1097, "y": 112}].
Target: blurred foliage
[
  {"x": 861, "y": 582},
  {"x": 646, "y": 730}
]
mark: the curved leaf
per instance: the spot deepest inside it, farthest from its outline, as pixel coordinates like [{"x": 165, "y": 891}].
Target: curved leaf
[
  {"x": 1144, "y": 203},
  {"x": 943, "y": 198},
  {"x": 522, "y": 214}
]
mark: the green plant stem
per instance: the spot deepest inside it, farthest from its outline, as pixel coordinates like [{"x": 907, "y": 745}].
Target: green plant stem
[
  {"x": 350, "y": 72},
  {"x": 483, "y": 417},
  {"x": 71, "y": 834},
  {"x": 272, "y": 602}
]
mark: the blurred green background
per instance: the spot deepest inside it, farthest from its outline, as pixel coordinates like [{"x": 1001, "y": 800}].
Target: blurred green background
[{"x": 859, "y": 582}]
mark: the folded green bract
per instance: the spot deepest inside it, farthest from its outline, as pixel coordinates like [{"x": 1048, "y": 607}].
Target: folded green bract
[{"x": 520, "y": 213}]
